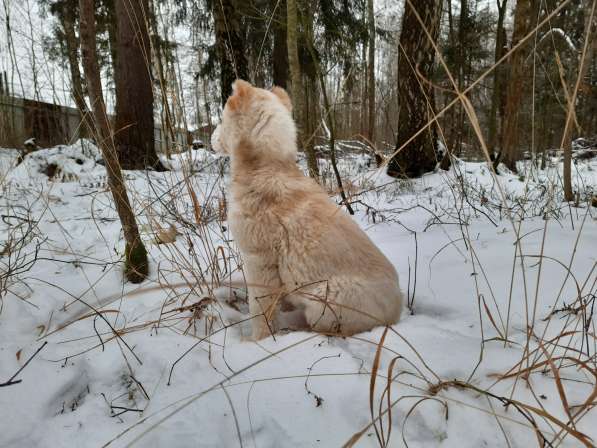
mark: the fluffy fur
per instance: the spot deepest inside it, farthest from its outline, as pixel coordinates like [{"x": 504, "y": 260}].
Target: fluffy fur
[{"x": 298, "y": 248}]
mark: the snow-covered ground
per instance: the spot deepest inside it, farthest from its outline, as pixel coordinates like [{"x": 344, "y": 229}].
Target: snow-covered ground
[{"x": 169, "y": 362}]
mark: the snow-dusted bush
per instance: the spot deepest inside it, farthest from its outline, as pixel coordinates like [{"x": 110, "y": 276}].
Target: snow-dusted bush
[{"x": 81, "y": 161}]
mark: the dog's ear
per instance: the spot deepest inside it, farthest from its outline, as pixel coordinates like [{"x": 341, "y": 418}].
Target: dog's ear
[
  {"x": 283, "y": 96},
  {"x": 242, "y": 92}
]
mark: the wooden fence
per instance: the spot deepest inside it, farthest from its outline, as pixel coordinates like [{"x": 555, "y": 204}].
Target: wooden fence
[{"x": 52, "y": 124}]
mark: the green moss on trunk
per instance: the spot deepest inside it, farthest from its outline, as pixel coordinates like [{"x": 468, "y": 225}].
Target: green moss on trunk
[{"x": 136, "y": 265}]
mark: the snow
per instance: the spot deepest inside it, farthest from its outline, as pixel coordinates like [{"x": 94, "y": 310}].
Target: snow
[
  {"x": 560, "y": 32},
  {"x": 8, "y": 159},
  {"x": 64, "y": 163},
  {"x": 90, "y": 388},
  {"x": 196, "y": 160}
]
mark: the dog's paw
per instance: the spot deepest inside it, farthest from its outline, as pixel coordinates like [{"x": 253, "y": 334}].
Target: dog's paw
[{"x": 260, "y": 330}]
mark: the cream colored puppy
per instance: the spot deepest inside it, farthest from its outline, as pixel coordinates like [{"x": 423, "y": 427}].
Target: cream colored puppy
[{"x": 297, "y": 246}]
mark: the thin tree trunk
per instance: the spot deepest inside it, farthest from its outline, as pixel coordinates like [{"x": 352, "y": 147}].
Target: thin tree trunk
[
  {"x": 198, "y": 113},
  {"x": 198, "y": 121},
  {"x": 280, "y": 52},
  {"x": 497, "y": 96},
  {"x": 371, "y": 79},
  {"x": 330, "y": 117},
  {"x": 364, "y": 88},
  {"x": 230, "y": 47},
  {"x": 136, "y": 264},
  {"x": 296, "y": 85},
  {"x": 112, "y": 43},
  {"x": 179, "y": 92},
  {"x": 583, "y": 65},
  {"x": 416, "y": 52},
  {"x": 206, "y": 103},
  {"x": 462, "y": 54},
  {"x": 451, "y": 115},
  {"x": 544, "y": 128},
  {"x": 166, "y": 124},
  {"x": 72, "y": 47}
]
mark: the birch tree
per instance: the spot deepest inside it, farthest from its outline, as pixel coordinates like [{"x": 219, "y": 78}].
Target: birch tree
[{"x": 371, "y": 76}]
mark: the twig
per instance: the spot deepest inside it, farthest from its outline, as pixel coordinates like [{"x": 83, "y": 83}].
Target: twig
[{"x": 10, "y": 381}]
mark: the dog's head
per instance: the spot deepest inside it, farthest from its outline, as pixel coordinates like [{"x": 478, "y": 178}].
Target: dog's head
[{"x": 260, "y": 117}]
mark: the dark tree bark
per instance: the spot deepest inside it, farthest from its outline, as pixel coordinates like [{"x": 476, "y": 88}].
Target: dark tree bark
[
  {"x": 296, "y": 84},
  {"x": 416, "y": 53},
  {"x": 280, "y": 52},
  {"x": 509, "y": 147},
  {"x": 497, "y": 97},
  {"x": 166, "y": 121},
  {"x": 463, "y": 32},
  {"x": 230, "y": 47},
  {"x": 134, "y": 91},
  {"x": 112, "y": 43},
  {"x": 68, "y": 19},
  {"x": 583, "y": 65},
  {"x": 330, "y": 115},
  {"x": 136, "y": 265},
  {"x": 363, "y": 91},
  {"x": 451, "y": 114}
]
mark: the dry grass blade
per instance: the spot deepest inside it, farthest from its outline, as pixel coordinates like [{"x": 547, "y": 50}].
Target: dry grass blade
[
  {"x": 414, "y": 407},
  {"x": 582, "y": 438},
  {"x": 196, "y": 207},
  {"x": 374, "y": 369},
  {"x": 559, "y": 385},
  {"x": 488, "y": 312},
  {"x": 388, "y": 395}
]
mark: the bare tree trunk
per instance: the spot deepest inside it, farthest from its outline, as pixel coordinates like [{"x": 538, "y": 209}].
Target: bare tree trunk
[
  {"x": 583, "y": 65},
  {"x": 371, "y": 78},
  {"x": 591, "y": 108},
  {"x": 207, "y": 107},
  {"x": 451, "y": 114},
  {"x": 509, "y": 147},
  {"x": 330, "y": 117},
  {"x": 198, "y": 120},
  {"x": 136, "y": 264},
  {"x": 416, "y": 52},
  {"x": 363, "y": 92},
  {"x": 463, "y": 29},
  {"x": 497, "y": 97},
  {"x": 166, "y": 123},
  {"x": 72, "y": 47},
  {"x": 134, "y": 90},
  {"x": 280, "y": 52},
  {"x": 296, "y": 85},
  {"x": 112, "y": 38}
]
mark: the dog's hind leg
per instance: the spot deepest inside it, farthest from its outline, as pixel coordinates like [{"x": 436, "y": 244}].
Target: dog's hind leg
[{"x": 265, "y": 293}]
